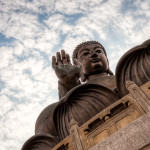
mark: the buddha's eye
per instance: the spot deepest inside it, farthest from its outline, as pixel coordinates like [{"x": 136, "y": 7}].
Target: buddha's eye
[
  {"x": 99, "y": 51},
  {"x": 84, "y": 54}
]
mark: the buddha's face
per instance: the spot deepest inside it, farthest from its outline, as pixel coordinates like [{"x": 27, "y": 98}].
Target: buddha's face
[{"x": 92, "y": 59}]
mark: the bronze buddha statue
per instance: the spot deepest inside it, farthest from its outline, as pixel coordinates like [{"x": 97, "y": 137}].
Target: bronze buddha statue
[{"x": 85, "y": 88}]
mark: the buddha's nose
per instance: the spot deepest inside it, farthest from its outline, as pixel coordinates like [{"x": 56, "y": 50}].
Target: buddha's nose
[{"x": 93, "y": 55}]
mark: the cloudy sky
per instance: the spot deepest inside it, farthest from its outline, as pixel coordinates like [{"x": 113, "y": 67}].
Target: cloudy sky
[{"x": 31, "y": 31}]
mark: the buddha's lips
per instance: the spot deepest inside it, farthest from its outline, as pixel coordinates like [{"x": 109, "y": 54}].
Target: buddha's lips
[{"x": 95, "y": 60}]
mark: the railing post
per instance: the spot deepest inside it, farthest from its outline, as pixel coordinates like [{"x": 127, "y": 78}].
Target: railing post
[
  {"x": 139, "y": 95},
  {"x": 76, "y": 136}
]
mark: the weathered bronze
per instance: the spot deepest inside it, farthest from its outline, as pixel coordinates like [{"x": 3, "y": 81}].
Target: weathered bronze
[{"x": 81, "y": 102}]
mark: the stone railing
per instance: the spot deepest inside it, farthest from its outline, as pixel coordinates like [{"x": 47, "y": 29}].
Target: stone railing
[{"x": 110, "y": 120}]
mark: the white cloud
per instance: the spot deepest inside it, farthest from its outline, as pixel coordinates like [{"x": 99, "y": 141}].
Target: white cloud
[
  {"x": 6, "y": 57},
  {"x": 67, "y": 7},
  {"x": 26, "y": 6}
]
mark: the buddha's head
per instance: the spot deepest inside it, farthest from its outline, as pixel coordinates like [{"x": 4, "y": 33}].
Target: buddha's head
[{"x": 93, "y": 58}]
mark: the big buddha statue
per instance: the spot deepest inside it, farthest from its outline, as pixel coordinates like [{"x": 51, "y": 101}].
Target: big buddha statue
[{"x": 86, "y": 87}]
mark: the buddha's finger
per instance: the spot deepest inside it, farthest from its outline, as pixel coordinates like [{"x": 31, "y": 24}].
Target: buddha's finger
[
  {"x": 54, "y": 62},
  {"x": 68, "y": 59},
  {"x": 58, "y": 58},
  {"x": 63, "y": 55}
]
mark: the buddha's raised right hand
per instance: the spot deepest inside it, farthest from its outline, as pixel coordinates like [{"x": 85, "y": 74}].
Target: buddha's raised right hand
[{"x": 67, "y": 73}]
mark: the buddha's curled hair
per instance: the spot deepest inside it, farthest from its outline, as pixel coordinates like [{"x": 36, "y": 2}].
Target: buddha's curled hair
[{"x": 75, "y": 52}]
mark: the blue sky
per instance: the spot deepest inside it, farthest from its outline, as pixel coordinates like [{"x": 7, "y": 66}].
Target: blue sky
[{"x": 31, "y": 31}]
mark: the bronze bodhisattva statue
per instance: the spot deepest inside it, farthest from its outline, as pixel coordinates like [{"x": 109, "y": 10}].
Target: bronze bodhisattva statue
[{"x": 86, "y": 87}]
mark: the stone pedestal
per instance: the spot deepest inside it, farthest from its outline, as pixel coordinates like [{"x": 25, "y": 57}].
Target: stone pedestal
[{"x": 135, "y": 136}]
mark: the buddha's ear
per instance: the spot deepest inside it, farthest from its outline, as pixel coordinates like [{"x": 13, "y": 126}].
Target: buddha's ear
[
  {"x": 110, "y": 72},
  {"x": 82, "y": 77},
  {"x": 76, "y": 62}
]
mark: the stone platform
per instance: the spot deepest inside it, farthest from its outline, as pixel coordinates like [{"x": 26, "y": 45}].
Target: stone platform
[{"x": 135, "y": 136}]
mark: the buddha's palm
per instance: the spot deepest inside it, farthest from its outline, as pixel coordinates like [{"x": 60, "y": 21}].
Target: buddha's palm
[{"x": 67, "y": 73}]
